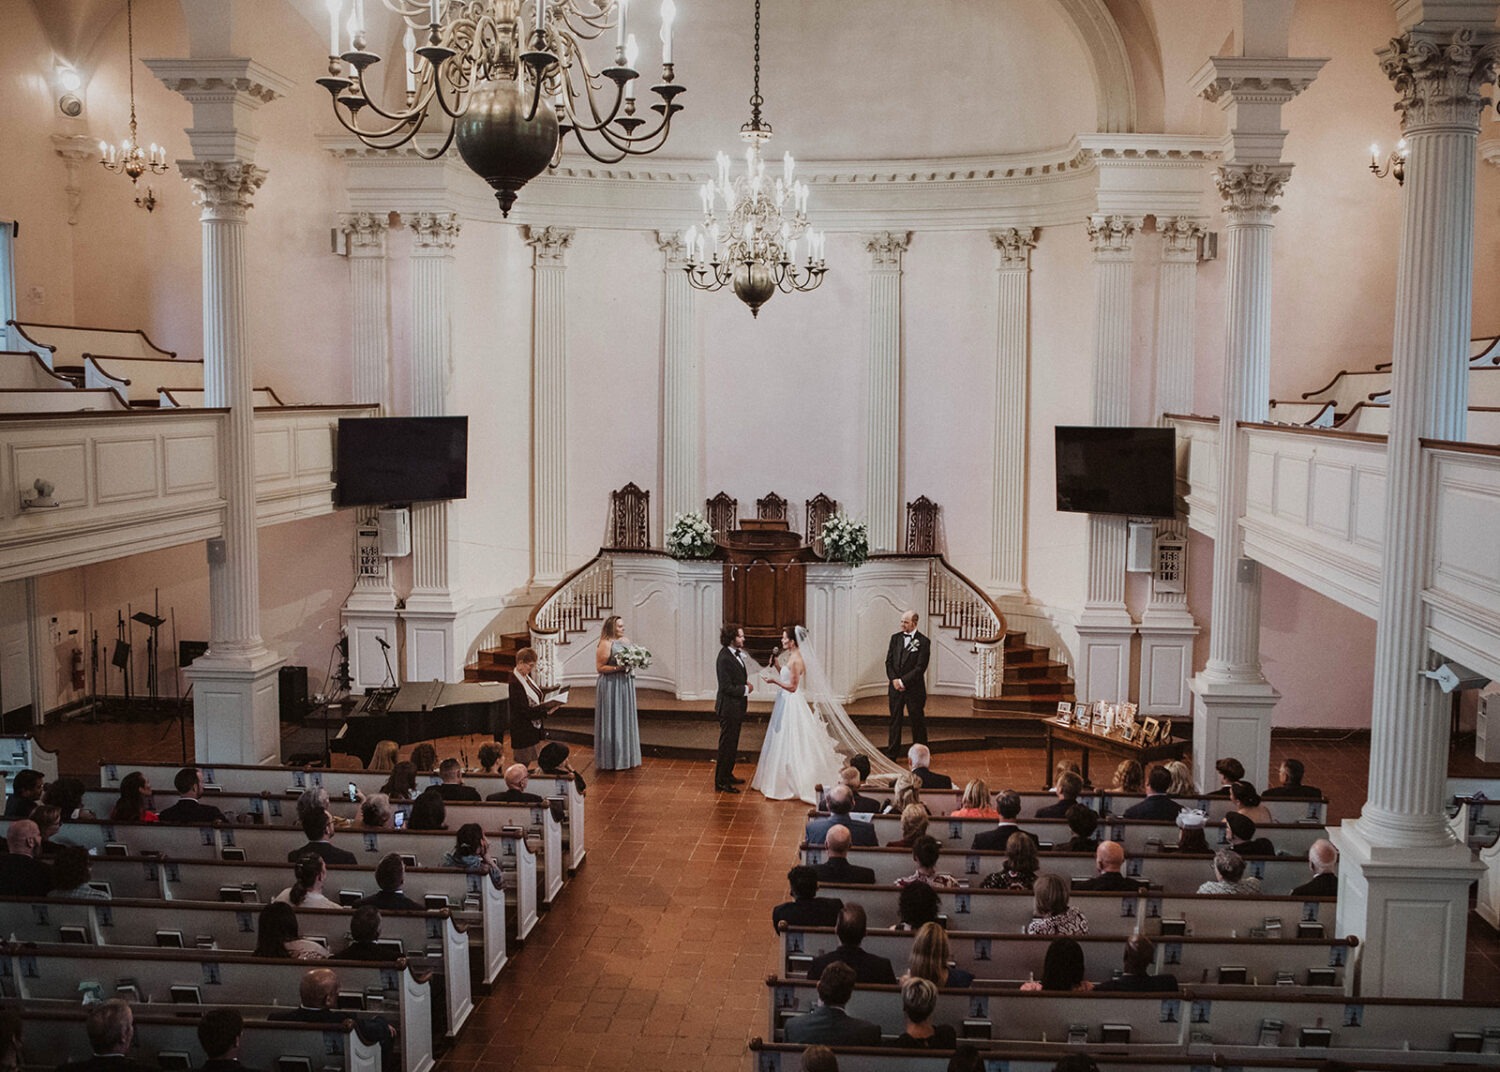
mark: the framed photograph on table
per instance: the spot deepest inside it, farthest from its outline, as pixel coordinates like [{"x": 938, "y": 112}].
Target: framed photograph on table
[
  {"x": 1064, "y": 712},
  {"x": 1149, "y": 730},
  {"x": 1164, "y": 734}
]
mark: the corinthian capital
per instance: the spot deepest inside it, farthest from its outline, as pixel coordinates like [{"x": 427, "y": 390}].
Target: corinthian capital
[
  {"x": 673, "y": 248},
  {"x": 434, "y": 232},
  {"x": 1014, "y": 245},
  {"x": 365, "y": 231},
  {"x": 1438, "y": 77},
  {"x": 885, "y": 248},
  {"x": 1179, "y": 237},
  {"x": 549, "y": 245},
  {"x": 1250, "y": 189},
  {"x": 1113, "y": 234},
  {"x": 223, "y": 188}
]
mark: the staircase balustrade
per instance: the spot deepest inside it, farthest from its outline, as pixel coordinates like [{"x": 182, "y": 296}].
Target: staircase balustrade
[
  {"x": 582, "y": 596},
  {"x": 957, "y": 603}
]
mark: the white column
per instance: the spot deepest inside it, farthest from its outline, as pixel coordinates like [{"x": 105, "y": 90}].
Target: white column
[
  {"x": 432, "y": 652},
  {"x": 883, "y": 505},
  {"x": 1404, "y": 880},
  {"x": 549, "y": 406},
  {"x": 1012, "y": 368},
  {"x": 682, "y": 389},
  {"x": 1105, "y": 627},
  {"x": 1167, "y": 628},
  {"x": 370, "y": 611}
]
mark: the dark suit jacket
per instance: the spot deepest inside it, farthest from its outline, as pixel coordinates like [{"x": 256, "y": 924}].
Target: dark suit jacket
[
  {"x": 995, "y": 839},
  {"x": 1055, "y": 811},
  {"x": 808, "y": 912},
  {"x": 827, "y": 1026},
  {"x": 514, "y": 796},
  {"x": 909, "y": 666},
  {"x": 371, "y": 1028},
  {"x": 861, "y": 804},
  {"x": 1139, "y": 983},
  {"x": 929, "y": 780},
  {"x": 454, "y": 792},
  {"x": 522, "y": 733},
  {"x": 188, "y": 810},
  {"x": 330, "y": 853},
  {"x": 19, "y": 807},
  {"x": 1111, "y": 881},
  {"x": 369, "y": 951},
  {"x": 839, "y": 869},
  {"x": 106, "y": 1063},
  {"x": 862, "y": 833},
  {"x": 868, "y": 968},
  {"x": 389, "y": 901},
  {"x": 1158, "y": 806},
  {"x": 222, "y": 1064},
  {"x": 733, "y": 677},
  {"x": 1295, "y": 792},
  {"x": 1322, "y": 885},
  {"x": 1255, "y": 847},
  {"x": 23, "y": 876}
]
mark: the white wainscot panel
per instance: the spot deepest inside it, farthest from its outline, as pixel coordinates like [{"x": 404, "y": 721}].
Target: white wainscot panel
[
  {"x": 64, "y": 464},
  {"x": 1332, "y": 507},
  {"x": 126, "y": 469},
  {"x": 1292, "y": 478},
  {"x": 191, "y": 462},
  {"x": 1260, "y": 481},
  {"x": 314, "y": 447},
  {"x": 1369, "y": 508},
  {"x": 1199, "y": 440},
  {"x": 273, "y": 453},
  {"x": 1467, "y": 553}
]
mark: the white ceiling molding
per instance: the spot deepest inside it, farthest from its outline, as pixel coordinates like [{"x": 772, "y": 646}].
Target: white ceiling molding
[
  {"x": 1151, "y": 174},
  {"x": 1114, "y": 84}
]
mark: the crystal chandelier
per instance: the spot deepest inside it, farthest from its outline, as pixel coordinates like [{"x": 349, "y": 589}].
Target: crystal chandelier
[
  {"x": 755, "y": 246},
  {"x": 506, "y": 97},
  {"x": 128, "y": 158}
]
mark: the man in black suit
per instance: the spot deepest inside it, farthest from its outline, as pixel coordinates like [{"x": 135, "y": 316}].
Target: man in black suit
[
  {"x": 1323, "y": 858},
  {"x": 190, "y": 808},
  {"x": 868, "y": 968},
  {"x": 1067, "y": 789},
  {"x": 318, "y": 993},
  {"x": 1008, "y": 804},
  {"x": 859, "y": 803},
  {"x": 1140, "y": 951},
  {"x": 906, "y": 671},
  {"x": 219, "y": 1034},
  {"x": 364, "y": 937},
  {"x": 1157, "y": 804},
  {"x": 837, "y": 867},
  {"x": 1291, "y": 783},
  {"x": 317, "y": 824},
  {"x": 806, "y": 908},
  {"x": 840, "y": 802},
  {"x": 451, "y": 787},
  {"x": 25, "y": 793},
  {"x": 21, "y": 873},
  {"x": 919, "y": 756},
  {"x": 515, "y": 792},
  {"x": 729, "y": 704},
  {"x": 390, "y": 876},
  {"x": 1109, "y": 858},
  {"x": 827, "y": 1024},
  {"x": 111, "y": 1030}
]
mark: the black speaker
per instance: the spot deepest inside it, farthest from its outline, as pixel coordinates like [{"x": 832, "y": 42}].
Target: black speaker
[{"x": 293, "y": 691}]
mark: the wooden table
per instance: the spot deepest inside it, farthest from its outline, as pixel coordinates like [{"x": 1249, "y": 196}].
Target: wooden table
[{"x": 1074, "y": 737}]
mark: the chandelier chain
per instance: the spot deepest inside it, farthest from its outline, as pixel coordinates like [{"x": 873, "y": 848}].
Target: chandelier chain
[
  {"x": 755, "y": 98},
  {"x": 130, "y": 57}
]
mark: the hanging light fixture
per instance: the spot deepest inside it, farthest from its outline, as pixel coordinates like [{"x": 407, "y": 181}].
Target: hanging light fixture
[
  {"x": 507, "y": 97},
  {"x": 755, "y": 246},
  {"x": 128, "y": 158}
]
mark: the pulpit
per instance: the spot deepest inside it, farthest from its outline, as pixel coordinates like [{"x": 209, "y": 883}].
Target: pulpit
[{"x": 764, "y": 581}]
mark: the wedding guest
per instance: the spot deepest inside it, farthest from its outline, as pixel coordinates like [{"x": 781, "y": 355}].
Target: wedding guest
[
  {"x": 1242, "y": 839},
  {"x": 424, "y": 757},
  {"x": 617, "y": 731},
  {"x": 1291, "y": 772},
  {"x": 806, "y": 908},
  {"x": 1230, "y": 771},
  {"x": 905, "y": 792},
  {"x": 1083, "y": 821},
  {"x": 451, "y": 785},
  {"x": 913, "y": 826},
  {"x": 1128, "y": 777},
  {"x": 1247, "y": 802},
  {"x": 26, "y": 790},
  {"x": 277, "y": 936},
  {"x": 931, "y": 958},
  {"x": 1190, "y": 824},
  {"x": 190, "y": 807},
  {"x": 489, "y": 757},
  {"x": 390, "y": 880},
  {"x": 309, "y": 872},
  {"x": 1067, "y": 790},
  {"x": 402, "y": 784},
  {"x": 429, "y": 812},
  {"x": 364, "y": 938},
  {"x": 1182, "y": 784},
  {"x": 1140, "y": 953},
  {"x": 1158, "y": 804},
  {"x": 1062, "y": 968},
  {"x": 926, "y": 851},
  {"x": 975, "y": 803},
  {"x": 1054, "y": 915},
  {"x": 1021, "y": 863},
  {"x": 135, "y": 791},
  {"x": 375, "y": 813},
  {"x": 384, "y": 756},
  {"x": 868, "y": 968},
  {"x": 918, "y": 1002},
  {"x": 1323, "y": 859},
  {"x": 471, "y": 851},
  {"x": 515, "y": 792},
  {"x": 915, "y": 905},
  {"x": 71, "y": 873},
  {"x": 1229, "y": 875}
]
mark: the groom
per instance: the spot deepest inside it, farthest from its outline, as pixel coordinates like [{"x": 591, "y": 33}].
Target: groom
[
  {"x": 730, "y": 704},
  {"x": 906, "y": 670}
]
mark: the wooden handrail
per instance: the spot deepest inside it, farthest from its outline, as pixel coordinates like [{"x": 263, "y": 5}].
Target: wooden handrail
[
  {"x": 531, "y": 621},
  {"x": 22, "y": 325},
  {"x": 981, "y": 597}
]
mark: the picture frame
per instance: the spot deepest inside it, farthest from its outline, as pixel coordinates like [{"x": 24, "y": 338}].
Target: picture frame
[
  {"x": 1164, "y": 732},
  {"x": 1149, "y": 730},
  {"x": 1064, "y": 712}
]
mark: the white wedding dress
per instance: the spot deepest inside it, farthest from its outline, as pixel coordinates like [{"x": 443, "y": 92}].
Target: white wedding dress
[{"x": 798, "y": 753}]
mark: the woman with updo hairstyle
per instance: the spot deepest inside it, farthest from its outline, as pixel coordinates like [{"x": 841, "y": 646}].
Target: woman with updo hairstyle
[
  {"x": 1129, "y": 777},
  {"x": 913, "y": 825},
  {"x": 1021, "y": 862},
  {"x": 375, "y": 812},
  {"x": 471, "y": 851},
  {"x": 402, "y": 784},
  {"x": 905, "y": 792},
  {"x": 309, "y": 872},
  {"x": 490, "y": 755},
  {"x": 617, "y": 730},
  {"x": 1247, "y": 803},
  {"x": 384, "y": 756}
]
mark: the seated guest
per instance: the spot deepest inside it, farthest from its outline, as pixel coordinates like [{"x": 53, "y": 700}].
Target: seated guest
[
  {"x": 905, "y": 792},
  {"x": 471, "y": 851},
  {"x": 1021, "y": 863},
  {"x": 1182, "y": 779},
  {"x": 1083, "y": 821},
  {"x": 516, "y": 778},
  {"x": 1229, "y": 875},
  {"x": 424, "y": 757},
  {"x": 1077, "y": 1062},
  {"x": 402, "y": 784},
  {"x": 1053, "y": 914},
  {"x": 1062, "y": 968},
  {"x": 315, "y": 798},
  {"x": 819, "y": 1059},
  {"x": 429, "y": 812},
  {"x": 1242, "y": 837},
  {"x": 1140, "y": 952},
  {"x": 914, "y": 822},
  {"x": 318, "y": 826},
  {"x": 71, "y": 872},
  {"x": 859, "y": 803},
  {"x": 489, "y": 757},
  {"x": 66, "y": 795},
  {"x": 915, "y": 905},
  {"x": 920, "y": 758},
  {"x": 827, "y": 1022},
  {"x": 1190, "y": 837},
  {"x": 806, "y": 909},
  {"x": 111, "y": 1030},
  {"x": 868, "y": 968},
  {"x": 452, "y": 785},
  {"x": 277, "y": 936},
  {"x": 190, "y": 809},
  {"x": 1158, "y": 804},
  {"x": 1291, "y": 783},
  {"x": 25, "y": 793},
  {"x": 975, "y": 803},
  {"x": 926, "y": 851},
  {"x": 219, "y": 1033},
  {"x": 1323, "y": 858},
  {"x": 318, "y": 994},
  {"x": 390, "y": 877},
  {"x": 840, "y": 803},
  {"x": 1067, "y": 789},
  {"x": 837, "y": 867},
  {"x": 384, "y": 756},
  {"x": 306, "y": 891},
  {"x": 1129, "y": 778},
  {"x": 1230, "y": 771},
  {"x": 1247, "y": 803},
  {"x": 553, "y": 759},
  {"x": 49, "y": 821},
  {"x": 918, "y": 1002},
  {"x": 10, "y": 1040},
  {"x": 135, "y": 791},
  {"x": 1109, "y": 858},
  {"x": 1008, "y": 804},
  {"x": 21, "y": 873},
  {"x": 375, "y": 813},
  {"x": 931, "y": 958},
  {"x": 364, "y": 938}
]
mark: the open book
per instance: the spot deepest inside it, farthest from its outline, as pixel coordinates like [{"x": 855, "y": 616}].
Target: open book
[{"x": 555, "y": 697}]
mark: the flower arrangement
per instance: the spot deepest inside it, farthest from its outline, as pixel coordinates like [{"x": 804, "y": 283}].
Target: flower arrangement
[
  {"x": 633, "y": 657},
  {"x": 846, "y": 540},
  {"x": 690, "y": 536}
]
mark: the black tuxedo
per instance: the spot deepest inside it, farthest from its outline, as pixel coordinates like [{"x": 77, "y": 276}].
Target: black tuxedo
[
  {"x": 909, "y": 663},
  {"x": 868, "y": 967},
  {"x": 995, "y": 839},
  {"x": 839, "y": 869},
  {"x": 729, "y": 704},
  {"x": 330, "y": 853},
  {"x": 188, "y": 810}
]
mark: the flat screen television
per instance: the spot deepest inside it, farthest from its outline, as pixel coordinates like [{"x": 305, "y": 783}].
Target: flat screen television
[
  {"x": 1117, "y": 471},
  {"x": 383, "y": 460}
]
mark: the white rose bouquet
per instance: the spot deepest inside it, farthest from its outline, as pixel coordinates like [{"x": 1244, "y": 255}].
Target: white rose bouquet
[
  {"x": 846, "y": 540},
  {"x": 633, "y": 657},
  {"x": 690, "y": 536}
]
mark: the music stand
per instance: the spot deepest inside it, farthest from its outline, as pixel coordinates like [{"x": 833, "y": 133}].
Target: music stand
[{"x": 152, "y": 623}]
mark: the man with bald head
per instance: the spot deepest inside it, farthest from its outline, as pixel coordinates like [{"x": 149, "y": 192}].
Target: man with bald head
[
  {"x": 1323, "y": 858},
  {"x": 318, "y": 994},
  {"x": 21, "y": 873},
  {"x": 837, "y": 867},
  {"x": 1109, "y": 858},
  {"x": 840, "y": 803},
  {"x": 906, "y": 671}
]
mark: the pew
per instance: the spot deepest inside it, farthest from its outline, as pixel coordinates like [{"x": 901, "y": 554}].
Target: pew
[
  {"x": 429, "y": 939},
  {"x": 64, "y": 345},
  {"x": 24, "y": 370},
  {"x": 943, "y": 802},
  {"x": 140, "y": 378},
  {"x": 60, "y": 400},
  {"x": 60, "y": 973},
  {"x": 20, "y": 751},
  {"x": 196, "y": 398}
]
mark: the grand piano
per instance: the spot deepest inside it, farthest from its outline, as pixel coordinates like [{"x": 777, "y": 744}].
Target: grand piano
[{"x": 422, "y": 711}]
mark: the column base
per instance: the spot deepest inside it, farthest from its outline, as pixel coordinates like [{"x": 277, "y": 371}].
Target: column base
[
  {"x": 1232, "y": 718},
  {"x": 432, "y": 652},
  {"x": 1397, "y": 900},
  {"x": 236, "y": 707},
  {"x": 1166, "y": 667},
  {"x": 1103, "y": 670}
]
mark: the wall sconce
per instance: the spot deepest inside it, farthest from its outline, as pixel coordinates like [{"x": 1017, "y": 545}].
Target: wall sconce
[
  {"x": 147, "y": 200},
  {"x": 1395, "y": 164},
  {"x": 41, "y": 497}
]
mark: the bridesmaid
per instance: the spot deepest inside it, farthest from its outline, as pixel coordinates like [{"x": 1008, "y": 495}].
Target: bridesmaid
[{"x": 617, "y": 733}]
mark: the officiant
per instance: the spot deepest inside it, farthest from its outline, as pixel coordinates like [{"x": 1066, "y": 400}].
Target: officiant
[{"x": 527, "y": 709}]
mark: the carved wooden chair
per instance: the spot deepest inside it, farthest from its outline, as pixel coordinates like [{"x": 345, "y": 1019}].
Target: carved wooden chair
[
  {"x": 723, "y": 514},
  {"x": 922, "y": 526},
  {"x": 772, "y": 508},
  {"x": 629, "y": 519},
  {"x": 818, "y": 510}
]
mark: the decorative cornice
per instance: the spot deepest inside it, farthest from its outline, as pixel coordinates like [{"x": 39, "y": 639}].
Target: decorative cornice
[
  {"x": 1180, "y": 236},
  {"x": 1014, "y": 245},
  {"x": 1113, "y": 234},
  {"x": 886, "y": 247},
  {"x": 236, "y": 79},
  {"x": 1227, "y": 80},
  {"x": 365, "y": 231},
  {"x": 549, "y": 245},
  {"x": 1439, "y": 77},
  {"x": 1250, "y": 190},
  {"x": 224, "y": 189},
  {"x": 673, "y": 248},
  {"x": 434, "y": 232}
]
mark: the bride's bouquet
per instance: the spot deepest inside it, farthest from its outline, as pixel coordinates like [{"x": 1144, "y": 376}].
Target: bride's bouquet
[
  {"x": 690, "y": 536},
  {"x": 633, "y": 657},
  {"x": 846, "y": 540}
]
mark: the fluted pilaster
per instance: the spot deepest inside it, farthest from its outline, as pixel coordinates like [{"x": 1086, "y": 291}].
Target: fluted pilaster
[
  {"x": 883, "y": 409},
  {"x": 365, "y": 233},
  {"x": 682, "y": 387},
  {"x": 1012, "y": 367},
  {"x": 549, "y": 414}
]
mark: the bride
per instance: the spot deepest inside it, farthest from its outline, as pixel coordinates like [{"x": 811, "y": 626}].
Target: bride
[{"x": 810, "y": 737}]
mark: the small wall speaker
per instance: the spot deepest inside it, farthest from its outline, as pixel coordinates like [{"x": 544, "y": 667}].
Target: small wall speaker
[
  {"x": 395, "y": 532},
  {"x": 1140, "y": 548}
]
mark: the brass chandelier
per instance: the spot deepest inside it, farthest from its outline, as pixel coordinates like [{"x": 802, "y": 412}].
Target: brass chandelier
[
  {"x": 754, "y": 247},
  {"x": 129, "y": 158},
  {"x": 508, "y": 96}
]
